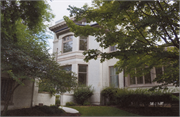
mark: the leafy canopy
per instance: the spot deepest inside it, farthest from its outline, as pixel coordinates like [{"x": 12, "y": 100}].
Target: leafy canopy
[
  {"x": 145, "y": 32},
  {"x": 24, "y": 53}
]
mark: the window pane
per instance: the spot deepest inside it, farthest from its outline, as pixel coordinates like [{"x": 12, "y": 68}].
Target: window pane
[
  {"x": 83, "y": 44},
  {"x": 158, "y": 71},
  {"x": 114, "y": 78},
  {"x": 82, "y": 78},
  {"x": 132, "y": 80},
  {"x": 82, "y": 68},
  {"x": 148, "y": 78},
  {"x": 67, "y": 68},
  {"x": 67, "y": 47},
  {"x": 112, "y": 48},
  {"x": 140, "y": 80}
]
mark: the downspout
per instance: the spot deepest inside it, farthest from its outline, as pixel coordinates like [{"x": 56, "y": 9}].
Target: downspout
[{"x": 32, "y": 94}]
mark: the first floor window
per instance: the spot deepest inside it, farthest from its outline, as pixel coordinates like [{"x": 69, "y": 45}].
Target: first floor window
[
  {"x": 67, "y": 67},
  {"x": 158, "y": 71},
  {"x": 82, "y": 74},
  {"x": 6, "y": 86},
  {"x": 114, "y": 78},
  {"x": 141, "y": 79}
]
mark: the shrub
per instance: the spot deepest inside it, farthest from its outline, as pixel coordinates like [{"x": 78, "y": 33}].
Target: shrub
[
  {"x": 57, "y": 96},
  {"x": 82, "y": 93},
  {"x": 125, "y": 97},
  {"x": 49, "y": 109},
  {"x": 57, "y": 102},
  {"x": 109, "y": 93},
  {"x": 70, "y": 104},
  {"x": 87, "y": 103}
]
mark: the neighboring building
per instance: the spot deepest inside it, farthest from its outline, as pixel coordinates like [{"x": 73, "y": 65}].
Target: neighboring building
[
  {"x": 24, "y": 96},
  {"x": 69, "y": 51}
]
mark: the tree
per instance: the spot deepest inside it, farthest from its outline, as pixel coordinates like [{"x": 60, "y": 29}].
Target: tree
[
  {"x": 145, "y": 32},
  {"x": 24, "y": 53}
]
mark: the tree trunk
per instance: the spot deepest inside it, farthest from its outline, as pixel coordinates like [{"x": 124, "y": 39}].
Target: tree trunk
[{"x": 9, "y": 95}]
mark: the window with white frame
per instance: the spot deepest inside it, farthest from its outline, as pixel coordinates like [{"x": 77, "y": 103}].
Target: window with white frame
[
  {"x": 82, "y": 74},
  {"x": 114, "y": 78},
  {"x": 83, "y": 43},
  {"x": 144, "y": 79},
  {"x": 67, "y": 43}
]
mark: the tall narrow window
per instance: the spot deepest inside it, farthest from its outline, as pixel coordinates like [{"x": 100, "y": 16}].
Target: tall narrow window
[
  {"x": 132, "y": 80},
  {"x": 147, "y": 77},
  {"x": 139, "y": 78},
  {"x": 83, "y": 43},
  {"x": 114, "y": 78},
  {"x": 67, "y": 44},
  {"x": 158, "y": 71},
  {"x": 82, "y": 74}
]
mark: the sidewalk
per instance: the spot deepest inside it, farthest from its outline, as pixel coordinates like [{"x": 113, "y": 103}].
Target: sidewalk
[{"x": 69, "y": 110}]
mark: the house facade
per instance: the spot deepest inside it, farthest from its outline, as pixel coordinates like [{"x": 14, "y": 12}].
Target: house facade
[
  {"x": 24, "y": 96},
  {"x": 69, "y": 49}
]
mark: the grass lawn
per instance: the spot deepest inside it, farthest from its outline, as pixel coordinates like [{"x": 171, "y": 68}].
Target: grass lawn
[{"x": 101, "y": 111}]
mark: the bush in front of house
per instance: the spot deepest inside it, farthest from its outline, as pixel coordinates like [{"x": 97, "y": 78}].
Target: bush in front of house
[
  {"x": 82, "y": 93},
  {"x": 49, "y": 109},
  {"x": 109, "y": 94},
  {"x": 126, "y": 97},
  {"x": 70, "y": 104},
  {"x": 57, "y": 101}
]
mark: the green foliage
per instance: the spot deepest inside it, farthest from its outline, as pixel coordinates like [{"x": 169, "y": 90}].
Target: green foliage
[
  {"x": 142, "y": 31},
  {"x": 87, "y": 103},
  {"x": 57, "y": 102},
  {"x": 126, "y": 97},
  {"x": 82, "y": 93},
  {"x": 109, "y": 93},
  {"x": 24, "y": 53},
  {"x": 57, "y": 96},
  {"x": 49, "y": 109},
  {"x": 70, "y": 104}
]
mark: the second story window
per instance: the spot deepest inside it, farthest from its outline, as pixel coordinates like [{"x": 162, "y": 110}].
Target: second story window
[
  {"x": 113, "y": 48},
  {"x": 67, "y": 43},
  {"x": 83, "y": 43}
]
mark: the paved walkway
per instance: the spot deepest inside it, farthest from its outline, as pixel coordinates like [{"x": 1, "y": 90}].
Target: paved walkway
[{"x": 69, "y": 110}]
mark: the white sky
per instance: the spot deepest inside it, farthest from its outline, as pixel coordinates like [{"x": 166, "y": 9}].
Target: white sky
[{"x": 59, "y": 9}]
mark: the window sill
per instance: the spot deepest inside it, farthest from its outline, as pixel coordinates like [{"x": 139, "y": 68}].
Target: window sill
[
  {"x": 62, "y": 54},
  {"x": 141, "y": 85}
]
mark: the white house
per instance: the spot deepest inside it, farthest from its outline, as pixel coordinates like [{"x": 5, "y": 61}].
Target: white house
[{"x": 69, "y": 51}]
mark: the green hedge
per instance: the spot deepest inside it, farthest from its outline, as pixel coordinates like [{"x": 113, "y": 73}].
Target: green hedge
[{"x": 125, "y": 97}]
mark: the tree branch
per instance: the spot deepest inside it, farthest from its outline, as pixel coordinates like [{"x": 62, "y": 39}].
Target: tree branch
[{"x": 170, "y": 26}]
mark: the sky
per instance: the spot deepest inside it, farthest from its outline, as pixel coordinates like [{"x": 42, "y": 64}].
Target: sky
[{"x": 59, "y": 9}]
